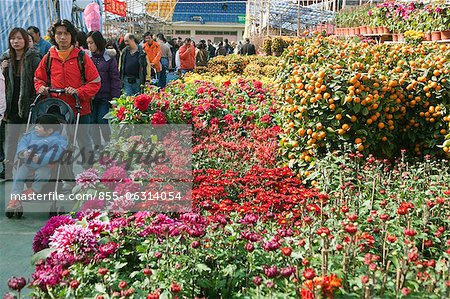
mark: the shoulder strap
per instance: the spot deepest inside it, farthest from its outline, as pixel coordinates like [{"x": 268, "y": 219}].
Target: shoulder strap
[
  {"x": 80, "y": 60},
  {"x": 48, "y": 67}
]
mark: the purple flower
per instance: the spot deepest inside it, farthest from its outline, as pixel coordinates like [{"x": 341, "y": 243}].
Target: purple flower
[
  {"x": 90, "y": 205},
  {"x": 121, "y": 204},
  {"x": 74, "y": 239},
  {"x": 271, "y": 271},
  {"x": 127, "y": 187},
  {"x": 46, "y": 278},
  {"x": 162, "y": 226},
  {"x": 41, "y": 239},
  {"x": 118, "y": 223},
  {"x": 288, "y": 271},
  {"x": 250, "y": 236},
  {"x": 139, "y": 175},
  {"x": 113, "y": 175},
  {"x": 249, "y": 247},
  {"x": 106, "y": 250},
  {"x": 87, "y": 179},
  {"x": 249, "y": 219},
  {"x": 271, "y": 245}
]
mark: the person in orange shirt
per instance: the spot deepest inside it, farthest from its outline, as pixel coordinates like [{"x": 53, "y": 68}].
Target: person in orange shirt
[
  {"x": 187, "y": 56},
  {"x": 153, "y": 51}
]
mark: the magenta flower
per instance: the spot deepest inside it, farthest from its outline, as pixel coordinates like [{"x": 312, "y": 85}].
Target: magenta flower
[
  {"x": 127, "y": 187},
  {"x": 42, "y": 238},
  {"x": 139, "y": 175},
  {"x": 74, "y": 239},
  {"x": 91, "y": 205},
  {"x": 113, "y": 175},
  {"x": 87, "y": 179}
]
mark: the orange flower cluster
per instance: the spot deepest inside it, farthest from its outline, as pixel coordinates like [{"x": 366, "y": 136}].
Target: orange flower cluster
[{"x": 321, "y": 287}]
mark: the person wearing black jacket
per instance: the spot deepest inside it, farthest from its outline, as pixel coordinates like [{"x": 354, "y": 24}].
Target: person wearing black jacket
[
  {"x": 211, "y": 49},
  {"x": 133, "y": 66},
  {"x": 247, "y": 48}
]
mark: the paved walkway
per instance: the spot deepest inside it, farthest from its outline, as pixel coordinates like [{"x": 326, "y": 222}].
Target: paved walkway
[{"x": 16, "y": 238}]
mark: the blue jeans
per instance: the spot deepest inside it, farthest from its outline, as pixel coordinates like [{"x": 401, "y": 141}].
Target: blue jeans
[
  {"x": 42, "y": 176},
  {"x": 131, "y": 89},
  {"x": 100, "y": 107},
  {"x": 162, "y": 78}
]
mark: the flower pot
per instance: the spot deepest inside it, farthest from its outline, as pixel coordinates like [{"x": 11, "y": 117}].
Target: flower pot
[
  {"x": 357, "y": 31},
  {"x": 435, "y": 35},
  {"x": 445, "y": 35},
  {"x": 346, "y": 31},
  {"x": 384, "y": 30},
  {"x": 369, "y": 30},
  {"x": 395, "y": 37},
  {"x": 351, "y": 31},
  {"x": 401, "y": 37},
  {"x": 427, "y": 36},
  {"x": 363, "y": 30}
]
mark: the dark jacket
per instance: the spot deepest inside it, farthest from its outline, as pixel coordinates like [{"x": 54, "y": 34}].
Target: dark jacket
[
  {"x": 201, "y": 57},
  {"x": 221, "y": 51},
  {"x": 27, "y": 90},
  {"x": 142, "y": 62},
  {"x": 229, "y": 49},
  {"x": 212, "y": 51},
  {"x": 109, "y": 73},
  {"x": 248, "y": 49}
]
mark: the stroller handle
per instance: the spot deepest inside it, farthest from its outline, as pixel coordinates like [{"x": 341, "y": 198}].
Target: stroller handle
[{"x": 61, "y": 91}]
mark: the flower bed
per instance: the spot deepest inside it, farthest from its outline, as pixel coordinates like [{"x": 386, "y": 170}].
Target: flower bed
[
  {"x": 263, "y": 234},
  {"x": 380, "y": 98},
  {"x": 369, "y": 228},
  {"x": 256, "y": 66}
]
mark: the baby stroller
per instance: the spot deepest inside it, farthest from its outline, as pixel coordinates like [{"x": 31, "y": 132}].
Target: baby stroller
[{"x": 66, "y": 117}]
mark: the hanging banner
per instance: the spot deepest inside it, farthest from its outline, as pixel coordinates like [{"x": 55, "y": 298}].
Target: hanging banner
[{"x": 116, "y": 7}]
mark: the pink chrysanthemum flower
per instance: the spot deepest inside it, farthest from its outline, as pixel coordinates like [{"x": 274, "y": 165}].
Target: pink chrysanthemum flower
[
  {"x": 112, "y": 176},
  {"x": 74, "y": 239},
  {"x": 87, "y": 179}
]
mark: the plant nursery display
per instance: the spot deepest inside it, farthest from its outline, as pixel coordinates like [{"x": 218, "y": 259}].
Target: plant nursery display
[
  {"x": 380, "y": 98},
  {"x": 326, "y": 178}
]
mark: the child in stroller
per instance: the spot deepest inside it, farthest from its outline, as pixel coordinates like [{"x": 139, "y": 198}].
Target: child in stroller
[{"x": 38, "y": 150}]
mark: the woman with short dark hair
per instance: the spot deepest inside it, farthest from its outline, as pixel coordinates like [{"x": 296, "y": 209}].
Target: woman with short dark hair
[
  {"x": 106, "y": 63},
  {"x": 18, "y": 71}
]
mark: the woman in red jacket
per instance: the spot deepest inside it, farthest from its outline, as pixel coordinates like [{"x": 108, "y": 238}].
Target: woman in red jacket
[
  {"x": 65, "y": 73},
  {"x": 187, "y": 56}
]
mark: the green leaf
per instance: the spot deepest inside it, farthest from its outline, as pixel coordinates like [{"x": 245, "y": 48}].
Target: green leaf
[
  {"x": 202, "y": 267},
  {"x": 100, "y": 288},
  {"x": 120, "y": 265},
  {"x": 357, "y": 108},
  {"x": 229, "y": 270},
  {"x": 41, "y": 255}
]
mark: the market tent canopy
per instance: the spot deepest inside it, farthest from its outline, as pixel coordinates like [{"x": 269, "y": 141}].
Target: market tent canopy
[
  {"x": 24, "y": 13},
  {"x": 39, "y": 13}
]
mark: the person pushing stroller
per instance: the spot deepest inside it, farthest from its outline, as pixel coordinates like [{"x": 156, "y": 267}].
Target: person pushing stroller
[{"x": 38, "y": 150}]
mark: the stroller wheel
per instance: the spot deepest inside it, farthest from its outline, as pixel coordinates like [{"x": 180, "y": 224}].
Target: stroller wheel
[
  {"x": 61, "y": 211},
  {"x": 9, "y": 214},
  {"x": 19, "y": 212},
  {"x": 52, "y": 211}
]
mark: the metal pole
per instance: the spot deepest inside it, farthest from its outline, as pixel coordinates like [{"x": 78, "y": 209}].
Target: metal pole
[{"x": 298, "y": 18}]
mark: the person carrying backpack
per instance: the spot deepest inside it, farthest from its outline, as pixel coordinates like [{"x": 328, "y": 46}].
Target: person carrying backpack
[{"x": 69, "y": 68}]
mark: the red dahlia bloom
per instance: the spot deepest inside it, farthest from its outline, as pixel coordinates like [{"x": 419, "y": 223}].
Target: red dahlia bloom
[{"x": 142, "y": 101}]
